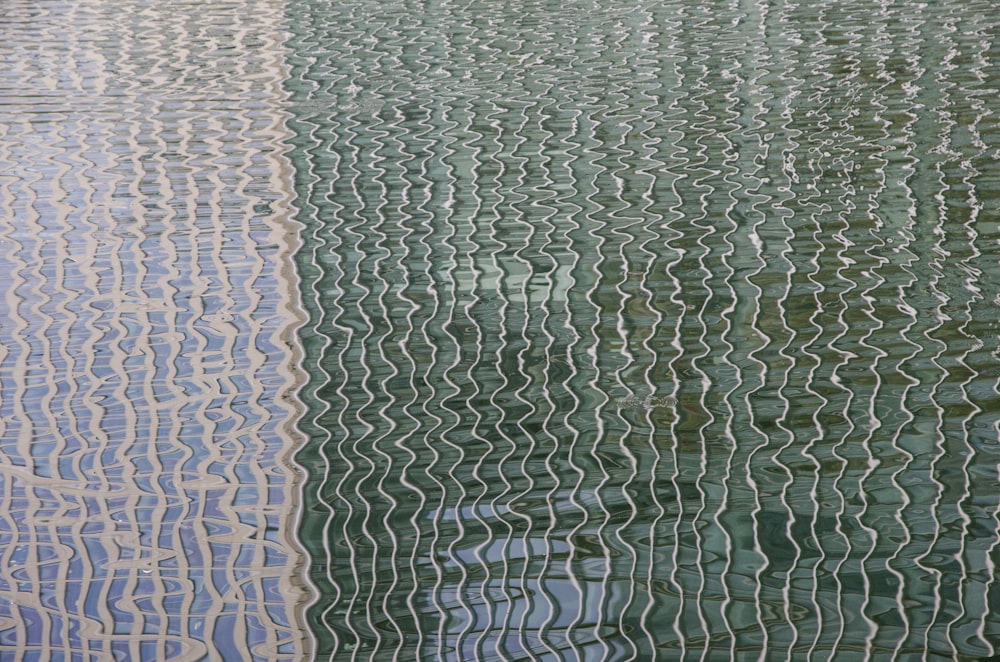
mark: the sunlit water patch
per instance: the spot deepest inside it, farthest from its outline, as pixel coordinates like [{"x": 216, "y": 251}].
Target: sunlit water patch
[
  {"x": 651, "y": 329},
  {"x": 148, "y": 358}
]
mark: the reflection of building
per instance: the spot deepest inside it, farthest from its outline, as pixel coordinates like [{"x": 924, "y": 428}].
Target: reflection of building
[
  {"x": 147, "y": 494},
  {"x": 532, "y": 580},
  {"x": 500, "y": 277}
]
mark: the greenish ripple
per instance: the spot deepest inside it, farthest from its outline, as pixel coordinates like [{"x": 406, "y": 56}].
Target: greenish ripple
[{"x": 651, "y": 331}]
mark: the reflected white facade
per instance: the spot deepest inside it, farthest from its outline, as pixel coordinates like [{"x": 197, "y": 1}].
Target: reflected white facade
[{"x": 148, "y": 310}]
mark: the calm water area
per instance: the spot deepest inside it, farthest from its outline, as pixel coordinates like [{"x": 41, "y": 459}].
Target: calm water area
[{"x": 475, "y": 330}]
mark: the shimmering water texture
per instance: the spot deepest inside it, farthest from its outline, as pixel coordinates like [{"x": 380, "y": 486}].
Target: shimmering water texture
[
  {"x": 650, "y": 329},
  {"x": 599, "y": 330},
  {"x": 147, "y": 334}
]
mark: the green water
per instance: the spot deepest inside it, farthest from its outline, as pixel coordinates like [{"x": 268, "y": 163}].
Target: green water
[
  {"x": 363, "y": 330},
  {"x": 650, "y": 330}
]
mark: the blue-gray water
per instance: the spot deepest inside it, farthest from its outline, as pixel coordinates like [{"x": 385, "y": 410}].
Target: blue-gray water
[
  {"x": 599, "y": 331},
  {"x": 148, "y": 310}
]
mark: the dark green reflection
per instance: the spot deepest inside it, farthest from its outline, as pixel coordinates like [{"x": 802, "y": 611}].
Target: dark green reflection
[{"x": 649, "y": 331}]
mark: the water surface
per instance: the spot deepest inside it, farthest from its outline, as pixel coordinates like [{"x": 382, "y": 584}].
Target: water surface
[
  {"x": 599, "y": 331},
  {"x": 651, "y": 329},
  {"x": 148, "y": 360}
]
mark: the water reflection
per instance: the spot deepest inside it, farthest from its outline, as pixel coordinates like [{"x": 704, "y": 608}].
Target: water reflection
[
  {"x": 147, "y": 343},
  {"x": 777, "y": 220}
]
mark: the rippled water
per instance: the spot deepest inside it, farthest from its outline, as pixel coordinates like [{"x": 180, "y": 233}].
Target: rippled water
[
  {"x": 650, "y": 329},
  {"x": 524, "y": 330},
  {"x": 147, "y": 335}
]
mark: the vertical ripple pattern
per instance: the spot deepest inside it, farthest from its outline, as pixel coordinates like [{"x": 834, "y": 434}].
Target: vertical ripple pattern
[
  {"x": 148, "y": 360},
  {"x": 650, "y": 329}
]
